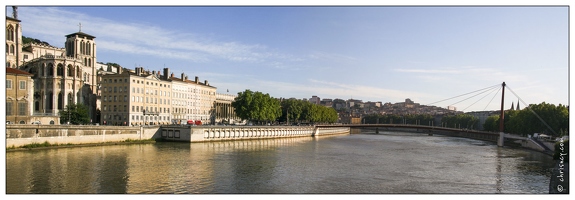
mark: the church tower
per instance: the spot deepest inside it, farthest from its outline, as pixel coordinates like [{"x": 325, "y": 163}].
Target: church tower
[
  {"x": 82, "y": 46},
  {"x": 13, "y": 40}
]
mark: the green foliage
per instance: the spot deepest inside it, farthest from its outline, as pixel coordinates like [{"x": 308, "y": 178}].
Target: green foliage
[
  {"x": 256, "y": 106},
  {"x": 491, "y": 123},
  {"x": 422, "y": 119},
  {"x": 524, "y": 122},
  {"x": 460, "y": 121},
  {"x": 26, "y": 40},
  {"x": 76, "y": 114},
  {"x": 36, "y": 145}
]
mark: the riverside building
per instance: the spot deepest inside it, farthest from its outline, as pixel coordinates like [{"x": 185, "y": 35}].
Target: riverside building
[
  {"x": 19, "y": 93},
  {"x": 149, "y": 98}
]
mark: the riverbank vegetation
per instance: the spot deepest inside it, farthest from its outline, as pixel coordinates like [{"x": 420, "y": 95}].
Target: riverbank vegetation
[
  {"x": 258, "y": 107},
  {"x": 420, "y": 119},
  {"x": 537, "y": 118},
  {"x": 47, "y": 144},
  {"x": 75, "y": 114}
]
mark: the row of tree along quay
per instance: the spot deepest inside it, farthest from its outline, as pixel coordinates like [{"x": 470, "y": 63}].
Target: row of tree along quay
[{"x": 261, "y": 108}]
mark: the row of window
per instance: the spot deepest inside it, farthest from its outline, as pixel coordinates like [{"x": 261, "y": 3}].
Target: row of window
[
  {"x": 9, "y": 84},
  {"x": 60, "y": 71},
  {"x": 138, "y": 117},
  {"x": 22, "y": 107}
]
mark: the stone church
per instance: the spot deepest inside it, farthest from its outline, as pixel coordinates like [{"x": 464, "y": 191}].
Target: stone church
[{"x": 61, "y": 76}]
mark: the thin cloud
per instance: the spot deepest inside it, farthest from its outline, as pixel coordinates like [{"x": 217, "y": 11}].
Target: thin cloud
[
  {"x": 429, "y": 71},
  {"x": 142, "y": 38}
]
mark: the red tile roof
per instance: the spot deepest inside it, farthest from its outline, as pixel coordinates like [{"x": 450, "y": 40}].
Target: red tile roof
[{"x": 17, "y": 71}]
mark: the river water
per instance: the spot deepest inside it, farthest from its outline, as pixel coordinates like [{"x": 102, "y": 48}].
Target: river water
[{"x": 386, "y": 163}]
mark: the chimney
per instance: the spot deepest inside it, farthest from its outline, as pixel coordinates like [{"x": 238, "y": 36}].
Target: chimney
[
  {"x": 172, "y": 75},
  {"x": 138, "y": 71},
  {"x": 119, "y": 70},
  {"x": 205, "y": 82},
  {"x": 153, "y": 72},
  {"x": 197, "y": 79},
  {"x": 182, "y": 76},
  {"x": 166, "y": 72},
  {"x": 186, "y": 78}
]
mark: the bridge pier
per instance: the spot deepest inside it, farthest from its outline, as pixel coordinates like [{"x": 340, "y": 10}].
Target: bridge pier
[{"x": 500, "y": 140}]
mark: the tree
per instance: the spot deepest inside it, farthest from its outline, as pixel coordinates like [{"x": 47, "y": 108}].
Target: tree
[
  {"x": 256, "y": 106},
  {"x": 460, "y": 121},
  {"x": 292, "y": 110},
  {"x": 491, "y": 123},
  {"x": 75, "y": 114}
]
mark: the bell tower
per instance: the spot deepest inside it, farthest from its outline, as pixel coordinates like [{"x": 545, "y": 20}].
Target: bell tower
[{"x": 82, "y": 47}]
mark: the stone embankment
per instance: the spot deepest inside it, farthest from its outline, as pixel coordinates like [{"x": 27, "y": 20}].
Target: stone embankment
[{"x": 21, "y": 135}]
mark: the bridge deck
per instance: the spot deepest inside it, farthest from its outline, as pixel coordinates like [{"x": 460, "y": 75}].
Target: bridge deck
[{"x": 411, "y": 126}]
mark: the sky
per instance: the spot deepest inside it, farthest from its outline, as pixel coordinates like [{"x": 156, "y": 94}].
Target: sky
[{"x": 371, "y": 53}]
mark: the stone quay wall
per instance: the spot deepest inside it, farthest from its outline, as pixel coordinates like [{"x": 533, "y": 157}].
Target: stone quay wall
[
  {"x": 18, "y": 135},
  {"x": 223, "y": 133}
]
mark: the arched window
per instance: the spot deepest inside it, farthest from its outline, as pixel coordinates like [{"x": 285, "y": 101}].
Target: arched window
[
  {"x": 60, "y": 101},
  {"x": 50, "y": 70},
  {"x": 89, "y": 62},
  {"x": 41, "y": 70},
  {"x": 70, "y": 71},
  {"x": 36, "y": 105},
  {"x": 70, "y": 98},
  {"x": 82, "y": 47},
  {"x": 88, "y": 50},
  {"x": 85, "y": 62},
  {"x": 60, "y": 70},
  {"x": 78, "y": 72},
  {"x": 11, "y": 49},
  {"x": 10, "y": 33},
  {"x": 50, "y": 101},
  {"x": 85, "y": 77}
]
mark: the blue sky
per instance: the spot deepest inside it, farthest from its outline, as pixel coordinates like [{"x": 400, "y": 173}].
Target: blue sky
[{"x": 373, "y": 53}]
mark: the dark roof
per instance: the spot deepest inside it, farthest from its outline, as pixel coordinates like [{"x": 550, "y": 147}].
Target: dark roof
[
  {"x": 17, "y": 71},
  {"x": 80, "y": 34},
  {"x": 14, "y": 19}
]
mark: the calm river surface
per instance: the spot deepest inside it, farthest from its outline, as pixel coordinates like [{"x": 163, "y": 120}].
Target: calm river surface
[{"x": 391, "y": 162}]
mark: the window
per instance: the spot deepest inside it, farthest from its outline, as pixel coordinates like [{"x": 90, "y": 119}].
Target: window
[
  {"x": 22, "y": 85},
  {"x": 22, "y": 108},
  {"x": 8, "y": 108},
  {"x": 8, "y": 84}
]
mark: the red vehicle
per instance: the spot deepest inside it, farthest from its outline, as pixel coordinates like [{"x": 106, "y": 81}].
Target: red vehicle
[{"x": 192, "y": 122}]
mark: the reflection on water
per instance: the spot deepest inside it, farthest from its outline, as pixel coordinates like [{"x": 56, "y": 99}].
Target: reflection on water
[{"x": 391, "y": 162}]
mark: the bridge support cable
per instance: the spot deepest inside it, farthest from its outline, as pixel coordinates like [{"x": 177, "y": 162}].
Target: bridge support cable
[
  {"x": 492, "y": 99},
  {"x": 491, "y": 91},
  {"x": 484, "y": 89},
  {"x": 532, "y": 111}
]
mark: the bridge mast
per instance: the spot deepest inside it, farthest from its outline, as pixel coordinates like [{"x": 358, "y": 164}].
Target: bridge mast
[{"x": 501, "y": 117}]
